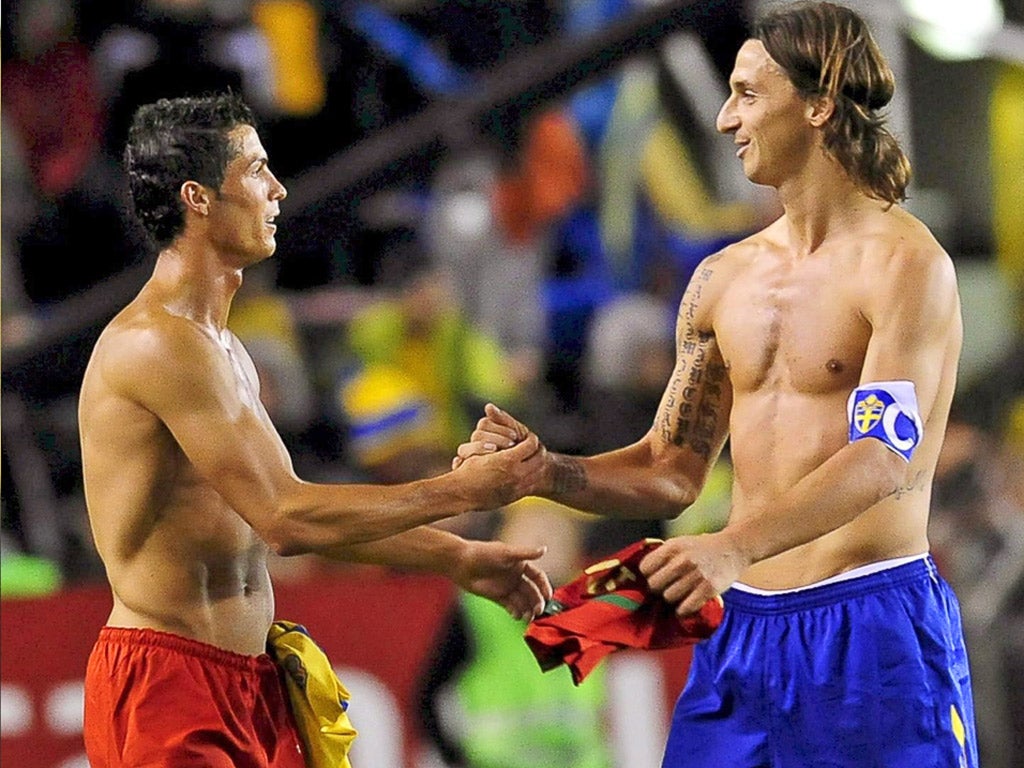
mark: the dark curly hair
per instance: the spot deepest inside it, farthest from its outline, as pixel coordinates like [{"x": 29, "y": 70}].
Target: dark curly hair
[
  {"x": 827, "y": 50},
  {"x": 173, "y": 141}
]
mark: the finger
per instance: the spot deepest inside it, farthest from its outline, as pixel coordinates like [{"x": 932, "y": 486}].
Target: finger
[
  {"x": 527, "y": 449},
  {"x": 522, "y": 552},
  {"x": 678, "y": 570},
  {"x": 487, "y": 428},
  {"x": 654, "y": 560},
  {"x": 520, "y": 603},
  {"x": 532, "y": 591},
  {"x": 682, "y": 587},
  {"x": 456, "y": 462},
  {"x": 475, "y": 448},
  {"x": 541, "y": 580},
  {"x": 695, "y": 601},
  {"x": 525, "y": 599},
  {"x": 499, "y": 416},
  {"x": 491, "y": 433}
]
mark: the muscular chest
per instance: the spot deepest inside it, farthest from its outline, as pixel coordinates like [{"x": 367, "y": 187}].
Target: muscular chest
[{"x": 795, "y": 327}]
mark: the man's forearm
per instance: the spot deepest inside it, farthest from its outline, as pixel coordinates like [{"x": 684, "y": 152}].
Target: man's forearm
[
  {"x": 421, "y": 549},
  {"x": 624, "y": 483},
  {"x": 854, "y": 479}
]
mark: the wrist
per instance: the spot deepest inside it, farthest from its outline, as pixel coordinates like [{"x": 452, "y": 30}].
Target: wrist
[
  {"x": 453, "y": 492},
  {"x": 739, "y": 542},
  {"x": 563, "y": 475},
  {"x": 460, "y": 562}
]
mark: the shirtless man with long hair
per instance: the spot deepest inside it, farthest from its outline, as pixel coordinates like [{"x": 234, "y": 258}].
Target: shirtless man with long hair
[{"x": 825, "y": 348}]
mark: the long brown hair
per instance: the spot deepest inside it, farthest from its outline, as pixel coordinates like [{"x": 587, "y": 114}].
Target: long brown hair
[{"x": 827, "y": 50}]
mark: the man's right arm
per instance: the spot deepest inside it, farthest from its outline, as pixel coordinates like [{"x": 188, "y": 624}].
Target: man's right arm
[
  {"x": 663, "y": 472},
  {"x": 187, "y": 380}
]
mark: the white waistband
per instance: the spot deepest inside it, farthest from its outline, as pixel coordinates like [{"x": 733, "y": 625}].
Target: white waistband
[{"x": 864, "y": 570}]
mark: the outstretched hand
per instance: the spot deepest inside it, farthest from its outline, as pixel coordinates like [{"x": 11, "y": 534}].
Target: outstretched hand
[
  {"x": 690, "y": 570},
  {"x": 495, "y": 431},
  {"x": 506, "y": 575}
]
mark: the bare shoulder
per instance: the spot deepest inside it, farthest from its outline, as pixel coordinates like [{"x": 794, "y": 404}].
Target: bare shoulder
[
  {"x": 908, "y": 262},
  {"x": 742, "y": 254},
  {"x": 144, "y": 346},
  {"x": 713, "y": 276},
  {"x": 721, "y": 267}
]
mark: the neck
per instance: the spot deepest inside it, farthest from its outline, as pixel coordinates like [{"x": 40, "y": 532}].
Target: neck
[
  {"x": 196, "y": 283},
  {"x": 820, "y": 202}
]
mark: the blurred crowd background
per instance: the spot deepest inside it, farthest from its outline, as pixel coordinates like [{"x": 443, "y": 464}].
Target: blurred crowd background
[{"x": 489, "y": 201}]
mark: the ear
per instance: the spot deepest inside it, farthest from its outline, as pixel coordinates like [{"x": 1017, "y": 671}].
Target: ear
[
  {"x": 196, "y": 197},
  {"x": 820, "y": 109}
]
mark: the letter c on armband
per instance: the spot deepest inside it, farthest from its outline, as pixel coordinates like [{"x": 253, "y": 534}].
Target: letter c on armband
[{"x": 886, "y": 411}]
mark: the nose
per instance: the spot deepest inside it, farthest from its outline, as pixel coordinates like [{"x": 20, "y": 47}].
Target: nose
[
  {"x": 277, "y": 189},
  {"x": 727, "y": 122}
]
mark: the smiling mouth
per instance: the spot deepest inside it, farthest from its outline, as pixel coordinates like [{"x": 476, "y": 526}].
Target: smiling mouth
[{"x": 742, "y": 150}]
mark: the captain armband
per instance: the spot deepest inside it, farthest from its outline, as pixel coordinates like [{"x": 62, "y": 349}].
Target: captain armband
[{"x": 886, "y": 411}]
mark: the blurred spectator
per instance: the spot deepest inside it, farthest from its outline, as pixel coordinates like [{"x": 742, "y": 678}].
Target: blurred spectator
[
  {"x": 264, "y": 321},
  {"x": 483, "y": 701},
  {"x": 168, "y": 48},
  {"x": 498, "y": 282},
  {"x": 290, "y": 29},
  {"x": 628, "y": 361},
  {"x": 50, "y": 98},
  {"x": 548, "y": 179},
  {"x": 17, "y": 211},
  {"x": 51, "y": 102},
  {"x": 425, "y": 333},
  {"x": 977, "y": 535},
  {"x": 393, "y": 431}
]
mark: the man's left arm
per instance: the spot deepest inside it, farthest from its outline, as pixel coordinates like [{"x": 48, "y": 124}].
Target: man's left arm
[
  {"x": 912, "y": 321},
  {"x": 500, "y": 572}
]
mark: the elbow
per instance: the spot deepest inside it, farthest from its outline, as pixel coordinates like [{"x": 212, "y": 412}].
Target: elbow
[
  {"x": 298, "y": 527},
  {"x": 285, "y": 540},
  {"x": 285, "y": 532},
  {"x": 891, "y": 472},
  {"x": 671, "y": 498},
  {"x": 283, "y": 548}
]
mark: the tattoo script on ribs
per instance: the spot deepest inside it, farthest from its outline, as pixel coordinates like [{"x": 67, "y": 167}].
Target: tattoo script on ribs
[{"x": 693, "y": 403}]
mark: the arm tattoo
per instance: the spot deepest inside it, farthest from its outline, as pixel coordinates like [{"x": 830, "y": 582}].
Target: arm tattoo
[
  {"x": 693, "y": 403},
  {"x": 916, "y": 483},
  {"x": 569, "y": 475}
]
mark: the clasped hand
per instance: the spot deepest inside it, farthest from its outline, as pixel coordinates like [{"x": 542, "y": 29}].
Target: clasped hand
[{"x": 690, "y": 570}]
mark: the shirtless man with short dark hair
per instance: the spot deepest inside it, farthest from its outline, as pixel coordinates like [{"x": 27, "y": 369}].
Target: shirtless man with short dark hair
[{"x": 189, "y": 486}]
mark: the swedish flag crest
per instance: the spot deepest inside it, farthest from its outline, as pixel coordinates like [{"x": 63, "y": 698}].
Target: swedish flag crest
[
  {"x": 868, "y": 412},
  {"x": 886, "y": 411}
]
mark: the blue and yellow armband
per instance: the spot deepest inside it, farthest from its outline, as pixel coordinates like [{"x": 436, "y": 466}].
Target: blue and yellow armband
[{"x": 886, "y": 411}]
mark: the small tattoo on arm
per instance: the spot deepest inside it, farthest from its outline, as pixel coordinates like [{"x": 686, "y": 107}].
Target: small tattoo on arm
[
  {"x": 569, "y": 475},
  {"x": 915, "y": 483}
]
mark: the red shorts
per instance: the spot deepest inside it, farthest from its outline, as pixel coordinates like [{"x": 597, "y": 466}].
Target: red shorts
[{"x": 153, "y": 699}]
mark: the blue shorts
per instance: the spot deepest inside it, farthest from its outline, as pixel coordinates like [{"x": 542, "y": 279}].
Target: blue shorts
[{"x": 869, "y": 671}]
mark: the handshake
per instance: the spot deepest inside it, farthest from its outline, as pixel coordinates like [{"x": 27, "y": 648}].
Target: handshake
[{"x": 502, "y": 461}]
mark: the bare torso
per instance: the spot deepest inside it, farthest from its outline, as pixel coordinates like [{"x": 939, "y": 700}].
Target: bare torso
[
  {"x": 178, "y": 558},
  {"x": 793, "y": 334}
]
